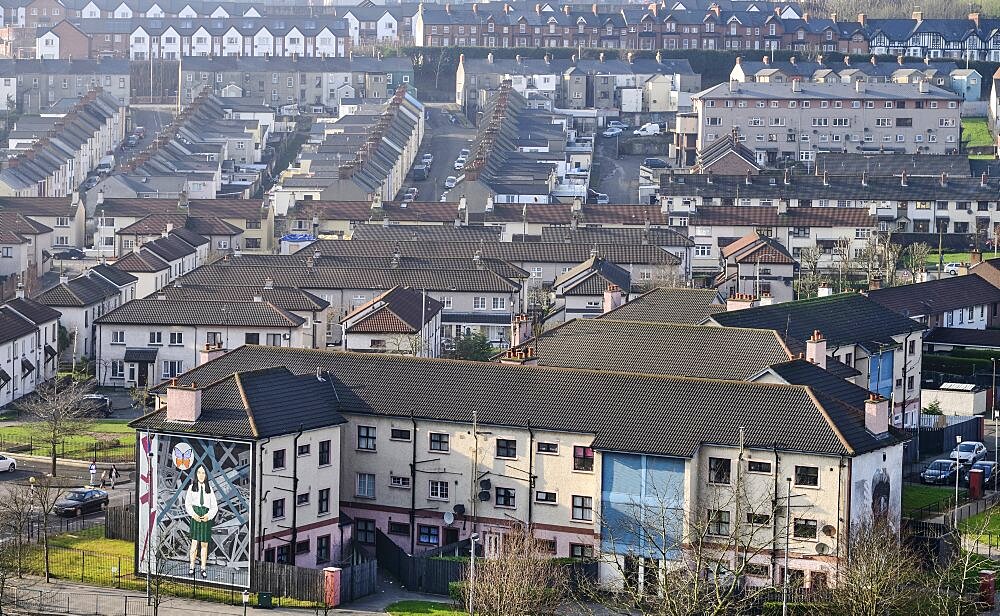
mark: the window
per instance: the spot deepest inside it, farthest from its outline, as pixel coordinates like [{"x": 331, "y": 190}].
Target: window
[
  {"x": 583, "y": 508},
  {"x": 448, "y": 302},
  {"x": 118, "y": 337},
  {"x": 324, "y": 453},
  {"x": 155, "y": 337},
  {"x": 277, "y": 509},
  {"x": 579, "y": 550},
  {"x": 366, "y": 438},
  {"x": 719, "y": 470},
  {"x": 756, "y": 466},
  {"x": 252, "y": 338},
  {"x": 176, "y": 338},
  {"x": 399, "y": 481},
  {"x": 499, "y": 303},
  {"x": 399, "y": 434},
  {"x": 807, "y": 476},
  {"x": 282, "y": 554},
  {"x": 172, "y": 368},
  {"x": 545, "y": 497},
  {"x": 703, "y": 250},
  {"x": 323, "y": 549},
  {"x": 428, "y": 535},
  {"x": 757, "y": 570},
  {"x": 303, "y": 450},
  {"x": 323, "y": 496},
  {"x": 804, "y": 529},
  {"x": 439, "y": 441},
  {"x": 548, "y": 448},
  {"x": 437, "y": 490},
  {"x": 506, "y": 448},
  {"x": 479, "y": 303},
  {"x": 505, "y": 497},
  {"x": 718, "y": 522},
  {"x": 758, "y": 519},
  {"x": 301, "y": 499},
  {"x": 117, "y": 369},
  {"x": 273, "y": 339},
  {"x": 399, "y": 528},
  {"x": 277, "y": 459},
  {"x": 583, "y": 458},
  {"x": 366, "y": 485}
]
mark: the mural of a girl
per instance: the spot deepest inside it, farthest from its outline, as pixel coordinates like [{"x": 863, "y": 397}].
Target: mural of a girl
[{"x": 202, "y": 507}]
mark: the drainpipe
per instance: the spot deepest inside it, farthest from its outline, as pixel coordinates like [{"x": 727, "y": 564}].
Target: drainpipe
[
  {"x": 531, "y": 474},
  {"x": 413, "y": 483},
  {"x": 295, "y": 494},
  {"x": 774, "y": 520},
  {"x": 840, "y": 488},
  {"x": 260, "y": 486}
]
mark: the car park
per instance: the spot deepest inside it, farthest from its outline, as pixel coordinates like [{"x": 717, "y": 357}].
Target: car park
[
  {"x": 655, "y": 163},
  {"x": 450, "y": 181},
  {"x": 940, "y": 471},
  {"x": 988, "y": 467},
  {"x": 968, "y": 452},
  {"x": 612, "y": 132},
  {"x": 81, "y": 500},
  {"x": 7, "y": 463}
]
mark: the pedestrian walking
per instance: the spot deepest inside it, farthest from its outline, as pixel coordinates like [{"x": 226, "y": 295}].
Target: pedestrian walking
[
  {"x": 93, "y": 473},
  {"x": 104, "y": 478},
  {"x": 114, "y": 475}
]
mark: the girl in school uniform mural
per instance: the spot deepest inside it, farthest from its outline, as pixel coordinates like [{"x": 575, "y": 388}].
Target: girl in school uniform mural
[{"x": 202, "y": 507}]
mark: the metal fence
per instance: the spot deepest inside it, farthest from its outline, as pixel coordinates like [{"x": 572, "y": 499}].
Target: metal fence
[
  {"x": 109, "y": 451},
  {"x": 47, "y": 601}
]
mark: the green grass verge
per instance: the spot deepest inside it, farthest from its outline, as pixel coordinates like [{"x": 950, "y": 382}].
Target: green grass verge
[
  {"x": 115, "y": 437},
  {"x": 427, "y": 608},
  {"x": 916, "y": 496},
  {"x": 976, "y": 133},
  {"x": 983, "y": 527},
  {"x": 949, "y": 257}
]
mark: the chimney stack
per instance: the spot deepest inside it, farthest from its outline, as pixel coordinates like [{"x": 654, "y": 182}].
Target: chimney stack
[
  {"x": 875, "y": 283},
  {"x": 209, "y": 352},
  {"x": 183, "y": 403},
  {"x": 740, "y": 301},
  {"x": 975, "y": 257},
  {"x": 877, "y": 414},
  {"x": 816, "y": 349},
  {"x": 520, "y": 330},
  {"x": 824, "y": 290},
  {"x": 612, "y": 298}
]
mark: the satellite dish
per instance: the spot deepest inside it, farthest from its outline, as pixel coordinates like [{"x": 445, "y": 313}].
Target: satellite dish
[
  {"x": 484, "y": 495},
  {"x": 822, "y": 548},
  {"x": 829, "y": 530},
  {"x": 449, "y": 518},
  {"x": 459, "y": 509},
  {"x": 485, "y": 484}
]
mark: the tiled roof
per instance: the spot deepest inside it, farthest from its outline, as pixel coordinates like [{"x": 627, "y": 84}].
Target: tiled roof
[
  {"x": 33, "y": 311},
  {"x": 80, "y": 291},
  {"x": 180, "y": 312},
  {"x": 669, "y": 305},
  {"x": 659, "y": 415},
  {"x": 141, "y": 262},
  {"x": 286, "y": 298},
  {"x": 601, "y": 273},
  {"x": 422, "y": 233},
  {"x": 191, "y": 237},
  {"x": 13, "y": 325},
  {"x": 960, "y": 336},
  {"x": 157, "y": 223},
  {"x": 300, "y": 259},
  {"x": 615, "y": 235},
  {"x": 20, "y": 224},
  {"x": 937, "y": 296},
  {"x": 169, "y": 248},
  {"x": 254, "y": 404},
  {"x": 760, "y": 216},
  {"x": 248, "y": 209},
  {"x": 38, "y": 206},
  {"x": 113, "y": 275},
  {"x": 397, "y": 311},
  {"x": 660, "y": 348},
  {"x": 848, "y": 318}
]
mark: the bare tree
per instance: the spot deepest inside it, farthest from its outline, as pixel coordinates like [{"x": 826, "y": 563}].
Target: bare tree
[
  {"x": 809, "y": 276},
  {"x": 16, "y": 515},
  {"x": 519, "y": 579},
  {"x": 44, "y": 494},
  {"x": 61, "y": 411},
  {"x": 405, "y": 344},
  {"x": 844, "y": 258},
  {"x": 665, "y": 276},
  {"x": 916, "y": 256},
  {"x": 891, "y": 255}
]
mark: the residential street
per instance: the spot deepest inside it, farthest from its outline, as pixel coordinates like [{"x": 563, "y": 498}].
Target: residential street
[{"x": 444, "y": 140}]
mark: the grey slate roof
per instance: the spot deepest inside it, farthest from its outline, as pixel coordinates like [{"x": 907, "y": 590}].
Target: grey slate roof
[
  {"x": 13, "y": 325},
  {"x": 143, "y": 262},
  {"x": 179, "y": 312},
  {"x": 613, "y": 235},
  {"x": 937, "y": 296},
  {"x": 960, "y": 336},
  {"x": 374, "y": 232},
  {"x": 33, "y": 311},
  {"x": 80, "y": 291},
  {"x": 398, "y": 310},
  {"x": 669, "y": 416},
  {"x": 847, "y": 318},
  {"x": 254, "y": 404},
  {"x": 286, "y": 298},
  {"x": 669, "y": 305},
  {"x": 113, "y": 275}
]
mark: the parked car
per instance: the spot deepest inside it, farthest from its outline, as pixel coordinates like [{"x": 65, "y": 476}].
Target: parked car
[
  {"x": 612, "y": 132},
  {"x": 427, "y": 159},
  {"x": 464, "y": 153},
  {"x": 952, "y": 268},
  {"x": 968, "y": 452},
  {"x": 413, "y": 191},
  {"x": 460, "y": 163},
  {"x": 90, "y": 182},
  {"x": 655, "y": 163},
  {"x": 617, "y": 124},
  {"x": 651, "y": 128},
  {"x": 988, "y": 467},
  {"x": 597, "y": 197},
  {"x": 450, "y": 181},
  {"x": 7, "y": 463},
  {"x": 81, "y": 500},
  {"x": 419, "y": 172},
  {"x": 940, "y": 471},
  {"x": 131, "y": 141},
  {"x": 407, "y": 198},
  {"x": 72, "y": 253},
  {"x": 140, "y": 132},
  {"x": 95, "y": 405}
]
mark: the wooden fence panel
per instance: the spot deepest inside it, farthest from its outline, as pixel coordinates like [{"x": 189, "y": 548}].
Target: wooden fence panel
[
  {"x": 283, "y": 580},
  {"x": 120, "y": 522}
]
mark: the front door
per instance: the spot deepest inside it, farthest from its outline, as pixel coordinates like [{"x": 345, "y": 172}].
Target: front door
[
  {"x": 450, "y": 536},
  {"x": 143, "y": 376}
]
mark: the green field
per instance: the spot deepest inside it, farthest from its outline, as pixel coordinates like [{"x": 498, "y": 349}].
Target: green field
[
  {"x": 113, "y": 436},
  {"x": 424, "y": 608},
  {"x": 949, "y": 257},
  {"x": 916, "y": 496},
  {"x": 976, "y": 133}
]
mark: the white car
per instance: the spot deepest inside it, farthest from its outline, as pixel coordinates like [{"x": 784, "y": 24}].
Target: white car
[
  {"x": 460, "y": 163},
  {"x": 952, "y": 268},
  {"x": 450, "y": 181},
  {"x": 968, "y": 452},
  {"x": 617, "y": 124},
  {"x": 612, "y": 132},
  {"x": 464, "y": 153},
  {"x": 7, "y": 464}
]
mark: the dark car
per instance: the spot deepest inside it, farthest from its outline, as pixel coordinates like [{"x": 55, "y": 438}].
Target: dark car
[
  {"x": 81, "y": 500},
  {"x": 131, "y": 141},
  {"x": 940, "y": 471},
  {"x": 90, "y": 182},
  {"x": 72, "y": 253},
  {"x": 655, "y": 163},
  {"x": 95, "y": 405},
  {"x": 989, "y": 469}
]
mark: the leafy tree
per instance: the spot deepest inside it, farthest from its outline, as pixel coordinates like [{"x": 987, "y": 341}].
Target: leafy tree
[
  {"x": 475, "y": 347},
  {"x": 934, "y": 408}
]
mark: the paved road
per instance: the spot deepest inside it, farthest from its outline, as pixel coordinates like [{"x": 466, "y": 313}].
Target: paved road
[
  {"x": 444, "y": 140},
  {"x": 619, "y": 176},
  {"x": 153, "y": 121}
]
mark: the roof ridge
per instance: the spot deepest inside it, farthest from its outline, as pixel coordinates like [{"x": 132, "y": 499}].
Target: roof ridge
[{"x": 246, "y": 403}]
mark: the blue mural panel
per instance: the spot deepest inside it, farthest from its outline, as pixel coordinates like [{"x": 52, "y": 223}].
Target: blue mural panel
[
  {"x": 642, "y": 504},
  {"x": 880, "y": 370}
]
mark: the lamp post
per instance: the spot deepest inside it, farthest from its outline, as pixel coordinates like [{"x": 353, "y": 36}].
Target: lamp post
[
  {"x": 993, "y": 403},
  {"x": 472, "y": 572},
  {"x": 246, "y": 600},
  {"x": 958, "y": 469}
]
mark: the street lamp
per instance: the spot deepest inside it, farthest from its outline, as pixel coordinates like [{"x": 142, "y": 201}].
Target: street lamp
[
  {"x": 246, "y": 600},
  {"x": 472, "y": 572},
  {"x": 958, "y": 469}
]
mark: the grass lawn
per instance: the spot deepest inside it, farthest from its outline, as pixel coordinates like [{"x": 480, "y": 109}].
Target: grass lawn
[
  {"x": 916, "y": 496},
  {"x": 976, "y": 133},
  {"x": 105, "y": 432},
  {"x": 949, "y": 257},
  {"x": 429, "y": 608}
]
